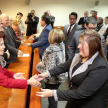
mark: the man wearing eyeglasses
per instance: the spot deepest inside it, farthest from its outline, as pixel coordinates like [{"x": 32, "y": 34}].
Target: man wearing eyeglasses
[
  {"x": 90, "y": 24},
  {"x": 32, "y": 22}
]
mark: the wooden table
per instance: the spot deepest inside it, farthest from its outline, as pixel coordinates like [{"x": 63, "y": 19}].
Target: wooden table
[
  {"x": 35, "y": 101},
  {"x": 16, "y": 98}
]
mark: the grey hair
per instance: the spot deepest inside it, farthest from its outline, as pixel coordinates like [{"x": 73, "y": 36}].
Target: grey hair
[{"x": 101, "y": 18}]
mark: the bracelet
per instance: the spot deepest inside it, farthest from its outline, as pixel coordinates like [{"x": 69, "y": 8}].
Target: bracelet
[{"x": 52, "y": 93}]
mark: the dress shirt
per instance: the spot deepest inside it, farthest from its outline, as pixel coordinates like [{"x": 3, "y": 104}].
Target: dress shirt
[{"x": 71, "y": 27}]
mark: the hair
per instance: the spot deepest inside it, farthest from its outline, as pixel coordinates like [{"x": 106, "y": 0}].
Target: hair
[
  {"x": 15, "y": 21},
  {"x": 106, "y": 17},
  {"x": 56, "y": 36},
  {"x": 94, "y": 42},
  {"x": 2, "y": 36},
  {"x": 94, "y": 11},
  {"x": 106, "y": 34},
  {"x": 101, "y": 18},
  {"x": 73, "y": 13},
  {"x": 33, "y": 10},
  {"x": 87, "y": 12},
  {"x": 91, "y": 20},
  {"x": 46, "y": 19},
  {"x": 19, "y": 13},
  {"x": 1, "y": 11}
]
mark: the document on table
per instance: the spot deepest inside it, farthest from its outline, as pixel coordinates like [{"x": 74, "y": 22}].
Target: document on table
[{"x": 25, "y": 55}]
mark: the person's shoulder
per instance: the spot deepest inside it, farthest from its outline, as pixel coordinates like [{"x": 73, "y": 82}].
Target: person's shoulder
[
  {"x": 78, "y": 27},
  {"x": 48, "y": 27},
  {"x": 36, "y": 17},
  {"x": 78, "y": 32}
]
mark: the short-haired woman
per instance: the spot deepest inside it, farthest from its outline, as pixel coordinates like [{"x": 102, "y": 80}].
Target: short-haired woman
[
  {"x": 15, "y": 27},
  {"x": 53, "y": 55},
  {"x": 88, "y": 72}
]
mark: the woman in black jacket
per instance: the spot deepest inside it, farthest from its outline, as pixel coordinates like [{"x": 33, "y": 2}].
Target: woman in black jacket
[{"x": 88, "y": 72}]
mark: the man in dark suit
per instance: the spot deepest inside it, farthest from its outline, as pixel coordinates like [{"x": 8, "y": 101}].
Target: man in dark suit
[
  {"x": 11, "y": 42},
  {"x": 83, "y": 19},
  {"x": 42, "y": 41},
  {"x": 52, "y": 18},
  {"x": 69, "y": 30},
  {"x": 32, "y": 22},
  {"x": 99, "y": 24},
  {"x": 91, "y": 23}
]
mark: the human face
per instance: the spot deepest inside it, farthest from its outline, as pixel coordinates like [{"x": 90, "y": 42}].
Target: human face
[
  {"x": 72, "y": 19},
  {"x": 2, "y": 47},
  {"x": 5, "y": 21},
  {"x": 106, "y": 21},
  {"x": 10, "y": 22},
  {"x": 19, "y": 16},
  {"x": 99, "y": 20},
  {"x": 85, "y": 14},
  {"x": 42, "y": 23},
  {"x": 91, "y": 26},
  {"x": 1, "y": 24},
  {"x": 32, "y": 13},
  {"x": 93, "y": 14},
  {"x": 83, "y": 48}
]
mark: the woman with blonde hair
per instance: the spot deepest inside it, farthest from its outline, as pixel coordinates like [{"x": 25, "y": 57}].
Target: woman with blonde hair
[
  {"x": 53, "y": 55},
  {"x": 15, "y": 27},
  {"x": 88, "y": 73}
]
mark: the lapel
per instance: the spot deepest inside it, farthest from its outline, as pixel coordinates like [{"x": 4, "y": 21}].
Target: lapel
[
  {"x": 65, "y": 31},
  {"x": 83, "y": 67},
  {"x": 8, "y": 34}
]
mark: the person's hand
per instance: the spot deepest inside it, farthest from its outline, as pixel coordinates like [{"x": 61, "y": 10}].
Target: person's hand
[
  {"x": 33, "y": 82},
  {"x": 8, "y": 54},
  {"x": 45, "y": 93},
  {"x": 18, "y": 76},
  {"x": 40, "y": 77},
  {"x": 23, "y": 43},
  {"x": 31, "y": 38},
  {"x": 28, "y": 44},
  {"x": 20, "y": 53}
]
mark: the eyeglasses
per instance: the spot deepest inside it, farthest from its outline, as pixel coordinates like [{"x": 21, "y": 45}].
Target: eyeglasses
[
  {"x": 91, "y": 28},
  {"x": 72, "y": 18},
  {"x": 32, "y": 13}
]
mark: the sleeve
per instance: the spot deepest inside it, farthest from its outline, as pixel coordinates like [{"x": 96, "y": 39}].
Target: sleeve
[
  {"x": 91, "y": 84},
  {"x": 8, "y": 82},
  {"x": 5, "y": 56},
  {"x": 36, "y": 21},
  {"x": 17, "y": 32},
  {"x": 36, "y": 39},
  {"x": 62, "y": 68},
  {"x": 79, "y": 21},
  {"x": 10, "y": 48},
  {"x": 104, "y": 45},
  {"x": 72, "y": 47},
  {"x": 44, "y": 39}
]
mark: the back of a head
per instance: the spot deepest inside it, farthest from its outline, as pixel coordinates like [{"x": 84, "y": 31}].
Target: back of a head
[
  {"x": 56, "y": 36},
  {"x": 94, "y": 42},
  {"x": 19, "y": 13},
  {"x": 46, "y": 19},
  {"x": 15, "y": 21},
  {"x": 91, "y": 20}
]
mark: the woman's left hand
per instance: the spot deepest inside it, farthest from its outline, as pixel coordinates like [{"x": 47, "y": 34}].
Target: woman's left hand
[
  {"x": 45, "y": 93},
  {"x": 18, "y": 76}
]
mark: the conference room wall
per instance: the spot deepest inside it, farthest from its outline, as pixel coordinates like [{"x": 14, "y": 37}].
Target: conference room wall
[{"x": 59, "y": 8}]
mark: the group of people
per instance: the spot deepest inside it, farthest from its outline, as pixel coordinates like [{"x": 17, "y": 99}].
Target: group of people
[{"x": 79, "y": 50}]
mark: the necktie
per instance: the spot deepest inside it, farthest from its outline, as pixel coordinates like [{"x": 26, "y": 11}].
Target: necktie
[{"x": 69, "y": 30}]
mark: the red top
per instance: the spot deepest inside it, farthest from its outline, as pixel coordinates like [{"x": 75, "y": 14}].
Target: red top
[{"x": 6, "y": 80}]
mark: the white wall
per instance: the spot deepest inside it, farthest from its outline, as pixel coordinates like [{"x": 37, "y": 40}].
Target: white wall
[{"x": 59, "y": 8}]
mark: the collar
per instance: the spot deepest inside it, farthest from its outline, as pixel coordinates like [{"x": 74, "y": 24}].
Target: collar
[{"x": 83, "y": 67}]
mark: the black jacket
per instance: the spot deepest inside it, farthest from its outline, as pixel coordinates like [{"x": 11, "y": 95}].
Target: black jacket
[{"x": 89, "y": 88}]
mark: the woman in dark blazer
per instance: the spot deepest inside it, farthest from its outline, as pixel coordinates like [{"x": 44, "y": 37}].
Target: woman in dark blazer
[{"x": 88, "y": 72}]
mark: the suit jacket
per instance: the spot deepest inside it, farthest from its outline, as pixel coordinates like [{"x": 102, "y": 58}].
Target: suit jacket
[
  {"x": 32, "y": 26},
  {"x": 89, "y": 89},
  {"x": 17, "y": 32},
  {"x": 81, "y": 21},
  {"x": 42, "y": 40},
  {"x": 69, "y": 37},
  {"x": 11, "y": 44},
  {"x": 75, "y": 42},
  {"x": 6, "y": 80},
  {"x": 52, "y": 20}
]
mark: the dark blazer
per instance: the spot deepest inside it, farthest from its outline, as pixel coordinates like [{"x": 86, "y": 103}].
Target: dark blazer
[
  {"x": 42, "y": 40},
  {"x": 69, "y": 37},
  {"x": 32, "y": 26},
  {"x": 75, "y": 42},
  {"x": 11, "y": 43},
  {"x": 81, "y": 21},
  {"x": 89, "y": 88}
]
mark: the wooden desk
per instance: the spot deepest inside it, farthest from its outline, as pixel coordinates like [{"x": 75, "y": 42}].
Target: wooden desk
[
  {"x": 35, "y": 101},
  {"x": 16, "y": 98}
]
